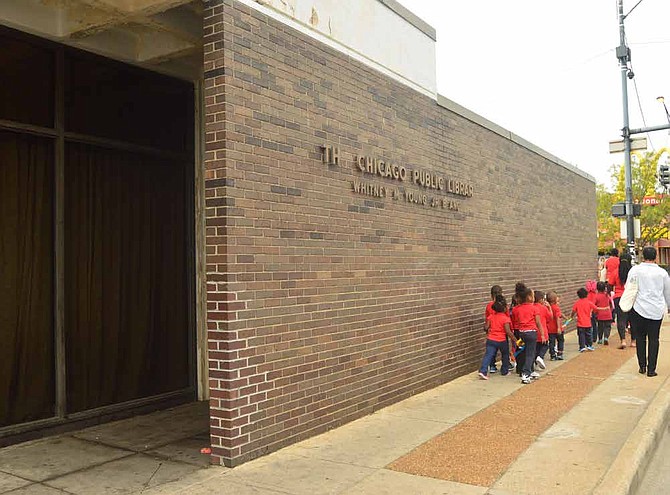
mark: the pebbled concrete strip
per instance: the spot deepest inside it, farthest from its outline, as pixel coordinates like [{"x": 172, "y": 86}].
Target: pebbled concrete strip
[{"x": 482, "y": 447}]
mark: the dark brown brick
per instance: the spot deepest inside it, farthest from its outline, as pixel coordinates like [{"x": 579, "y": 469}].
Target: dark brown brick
[{"x": 325, "y": 305}]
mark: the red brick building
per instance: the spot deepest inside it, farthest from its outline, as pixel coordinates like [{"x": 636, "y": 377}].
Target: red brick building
[{"x": 296, "y": 232}]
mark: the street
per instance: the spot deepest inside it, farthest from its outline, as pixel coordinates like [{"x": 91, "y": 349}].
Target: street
[{"x": 657, "y": 477}]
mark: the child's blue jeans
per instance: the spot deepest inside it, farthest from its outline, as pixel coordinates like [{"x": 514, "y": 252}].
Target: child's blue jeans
[
  {"x": 527, "y": 357},
  {"x": 556, "y": 344},
  {"x": 585, "y": 337},
  {"x": 492, "y": 347}
]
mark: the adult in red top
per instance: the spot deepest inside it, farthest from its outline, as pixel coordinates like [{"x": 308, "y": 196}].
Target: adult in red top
[
  {"x": 584, "y": 308},
  {"x": 612, "y": 266},
  {"x": 619, "y": 283}
]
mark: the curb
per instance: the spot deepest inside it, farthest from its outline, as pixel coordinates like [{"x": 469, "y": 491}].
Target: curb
[{"x": 630, "y": 465}]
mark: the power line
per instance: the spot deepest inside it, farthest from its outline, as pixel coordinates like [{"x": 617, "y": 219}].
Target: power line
[
  {"x": 631, "y": 10},
  {"x": 652, "y": 42},
  {"x": 637, "y": 95},
  {"x": 644, "y": 121}
]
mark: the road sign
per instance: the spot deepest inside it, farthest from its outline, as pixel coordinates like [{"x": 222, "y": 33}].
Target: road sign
[
  {"x": 624, "y": 230},
  {"x": 635, "y": 144}
]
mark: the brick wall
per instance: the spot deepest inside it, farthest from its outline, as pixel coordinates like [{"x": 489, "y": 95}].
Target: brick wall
[{"x": 325, "y": 304}]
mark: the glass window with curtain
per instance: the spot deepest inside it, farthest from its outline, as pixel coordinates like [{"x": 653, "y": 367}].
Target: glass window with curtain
[
  {"x": 27, "y": 387},
  {"x": 126, "y": 313}
]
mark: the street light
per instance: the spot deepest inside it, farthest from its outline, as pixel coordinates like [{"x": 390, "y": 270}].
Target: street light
[{"x": 661, "y": 99}]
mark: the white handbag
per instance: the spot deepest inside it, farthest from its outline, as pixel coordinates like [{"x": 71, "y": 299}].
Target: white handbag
[{"x": 628, "y": 297}]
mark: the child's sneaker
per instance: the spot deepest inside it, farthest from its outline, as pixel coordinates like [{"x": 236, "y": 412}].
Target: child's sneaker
[
  {"x": 590, "y": 348},
  {"x": 540, "y": 362},
  {"x": 582, "y": 349},
  {"x": 534, "y": 375},
  {"x": 606, "y": 342},
  {"x": 525, "y": 379},
  {"x": 482, "y": 376},
  {"x": 493, "y": 369},
  {"x": 553, "y": 358},
  {"x": 559, "y": 358},
  {"x": 600, "y": 342}
]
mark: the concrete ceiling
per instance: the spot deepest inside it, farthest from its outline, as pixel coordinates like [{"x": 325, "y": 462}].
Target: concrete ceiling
[{"x": 162, "y": 35}]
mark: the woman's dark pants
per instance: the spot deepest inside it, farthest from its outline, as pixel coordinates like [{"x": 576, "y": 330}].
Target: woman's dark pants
[{"x": 645, "y": 329}]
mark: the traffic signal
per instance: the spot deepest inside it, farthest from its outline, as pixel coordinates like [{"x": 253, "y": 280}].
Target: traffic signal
[{"x": 664, "y": 174}]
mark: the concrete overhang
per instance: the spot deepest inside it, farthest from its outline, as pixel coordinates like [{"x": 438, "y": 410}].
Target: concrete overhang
[{"x": 161, "y": 35}]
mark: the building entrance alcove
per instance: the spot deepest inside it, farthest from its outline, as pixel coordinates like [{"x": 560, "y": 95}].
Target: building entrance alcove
[{"x": 97, "y": 257}]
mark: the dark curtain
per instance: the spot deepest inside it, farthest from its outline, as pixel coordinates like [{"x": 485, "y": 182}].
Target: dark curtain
[
  {"x": 26, "y": 279},
  {"x": 126, "y": 315}
]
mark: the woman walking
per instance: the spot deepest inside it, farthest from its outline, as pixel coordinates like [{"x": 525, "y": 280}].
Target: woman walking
[
  {"x": 620, "y": 278},
  {"x": 651, "y": 303}
]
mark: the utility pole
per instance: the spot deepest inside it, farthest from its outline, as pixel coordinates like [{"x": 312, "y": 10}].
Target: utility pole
[{"x": 623, "y": 54}]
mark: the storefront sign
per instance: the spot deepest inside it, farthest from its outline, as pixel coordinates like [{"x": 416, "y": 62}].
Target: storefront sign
[{"x": 652, "y": 200}]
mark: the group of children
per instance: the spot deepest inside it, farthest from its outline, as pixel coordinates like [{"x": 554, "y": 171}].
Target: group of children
[
  {"x": 594, "y": 310},
  {"x": 534, "y": 324}
]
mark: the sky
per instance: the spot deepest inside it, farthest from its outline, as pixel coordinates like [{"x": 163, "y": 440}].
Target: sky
[{"x": 547, "y": 71}]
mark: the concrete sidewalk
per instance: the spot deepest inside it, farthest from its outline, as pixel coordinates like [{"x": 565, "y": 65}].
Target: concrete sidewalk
[
  {"x": 601, "y": 445},
  {"x": 122, "y": 457}
]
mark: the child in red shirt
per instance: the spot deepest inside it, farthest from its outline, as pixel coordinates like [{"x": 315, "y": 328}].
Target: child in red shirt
[
  {"x": 555, "y": 328},
  {"x": 498, "y": 326},
  {"x": 604, "y": 316},
  {"x": 543, "y": 338},
  {"x": 496, "y": 290},
  {"x": 584, "y": 308},
  {"x": 526, "y": 319},
  {"x": 591, "y": 289}
]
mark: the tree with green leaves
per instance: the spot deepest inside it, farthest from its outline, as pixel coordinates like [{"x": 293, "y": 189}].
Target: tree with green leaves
[{"x": 654, "y": 220}]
